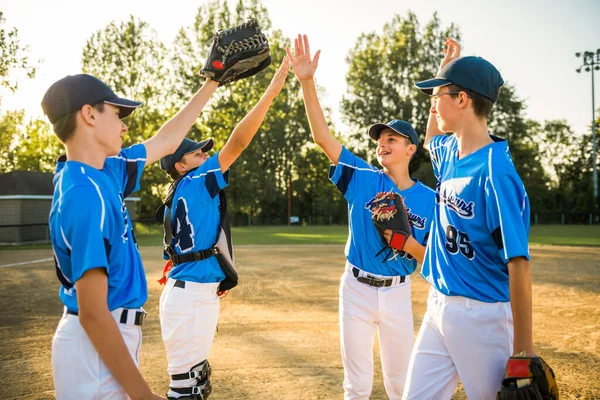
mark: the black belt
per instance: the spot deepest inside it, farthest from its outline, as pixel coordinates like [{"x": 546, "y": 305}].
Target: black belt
[
  {"x": 373, "y": 281},
  {"x": 139, "y": 316},
  {"x": 196, "y": 256}
]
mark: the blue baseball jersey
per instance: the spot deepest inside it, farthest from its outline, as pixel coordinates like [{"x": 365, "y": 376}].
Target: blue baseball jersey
[
  {"x": 90, "y": 227},
  {"x": 361, "y": 183},
  {"x": 481, "y": 221},
  {"x": 195, "y": 221}
]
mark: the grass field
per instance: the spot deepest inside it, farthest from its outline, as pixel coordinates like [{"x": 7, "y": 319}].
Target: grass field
[
  {"x": 278, "y": 334},
  {"x": 555, "y": 235}
]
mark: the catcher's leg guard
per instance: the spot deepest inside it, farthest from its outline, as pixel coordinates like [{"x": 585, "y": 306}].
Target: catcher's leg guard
[{"x": 201, "y": 390}]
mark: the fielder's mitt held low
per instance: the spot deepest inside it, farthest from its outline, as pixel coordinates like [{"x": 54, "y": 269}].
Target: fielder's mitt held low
[
  {"x": 388, "y": 212},
  {"x": 237, "y": 53},
  {"x": 528, "y": 378}
]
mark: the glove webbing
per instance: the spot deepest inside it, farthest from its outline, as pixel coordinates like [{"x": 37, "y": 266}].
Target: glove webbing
[
  {"x": 252, "y": 42},
  {"x": 251, "y": 22}
]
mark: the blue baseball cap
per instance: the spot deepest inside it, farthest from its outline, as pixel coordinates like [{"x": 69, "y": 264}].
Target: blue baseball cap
[
  {"x": 187, "y": 146},
  {"x": 402, "y": 128},
  {"x": 473, "y": 73},
  {"x": 72, "y": 92}
]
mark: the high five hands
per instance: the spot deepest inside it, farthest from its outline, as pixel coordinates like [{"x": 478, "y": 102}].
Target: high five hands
[{"x": 303, "y": 65}]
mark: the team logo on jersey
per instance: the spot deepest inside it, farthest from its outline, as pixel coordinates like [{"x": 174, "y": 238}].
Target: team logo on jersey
[
  {"x": 125, "y": 220},
  {"x": 382, "y": 206},
  {"x": 416, "y": 220},
  {"x": 446, "y": 194}
]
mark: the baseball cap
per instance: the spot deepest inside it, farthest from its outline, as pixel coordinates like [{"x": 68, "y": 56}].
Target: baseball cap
[
  {"x": 187, "y": 146},
  {"x": 72, "y": 92},
  {"x": 402, "y": 128},
  {"x": 473, "y": 73}
]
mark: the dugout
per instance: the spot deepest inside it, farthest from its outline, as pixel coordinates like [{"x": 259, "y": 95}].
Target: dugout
[{"x": 25, "y": 199}]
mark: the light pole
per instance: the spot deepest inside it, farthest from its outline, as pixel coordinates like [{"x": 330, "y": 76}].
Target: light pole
[{"x": 591, "y": 62}]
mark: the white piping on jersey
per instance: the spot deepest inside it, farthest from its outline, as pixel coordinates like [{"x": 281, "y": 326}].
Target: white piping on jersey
[
  {"x": 128, "y": 159},
  {"x": 497, "y": 202},
  {"x": 203, "y": 174},
  {"x": 357, "y": 168},
  {"x": 82, "y": 170},
  {"x": 60, "y": 192},
  {"x": 62, "y": 233},
  {"x": 101, "y": 201}
]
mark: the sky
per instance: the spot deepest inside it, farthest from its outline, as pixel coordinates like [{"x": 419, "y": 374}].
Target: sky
[{"x": 533, "y": 43}]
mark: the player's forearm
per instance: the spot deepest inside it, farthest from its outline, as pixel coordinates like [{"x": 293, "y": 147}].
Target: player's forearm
[
  {"x": 415, "y": 249},
  {"x": 246, "y": 129},
  {"x": 318, "y": 124},
  {"x": 171, "y": 134},
  {"x": 519, "y": 273},
  {"x": 103, "y": 332},
  {"x": 432, "y": 130}
]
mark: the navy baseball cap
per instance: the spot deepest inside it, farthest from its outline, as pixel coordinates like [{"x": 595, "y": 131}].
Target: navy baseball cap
[
  {"x": 72, "y": 92},
  {"x": 402, "y": 128},
  {"x": 187, "y": 146},
  {"x": 473, "y": 73}
]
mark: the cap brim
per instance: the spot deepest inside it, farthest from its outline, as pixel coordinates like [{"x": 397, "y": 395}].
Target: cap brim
[
  {"x": 126, "y": 107},
  {"x": 205, "y": 146},
  {"x": 375, "y": 131},
  {"x": 428, "y": 85}
]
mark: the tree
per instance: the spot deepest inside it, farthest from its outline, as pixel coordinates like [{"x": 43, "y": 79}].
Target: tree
[
  {"x": 11, "y": 127},
  {"x": 13, "y": 58},
  {"x": 38, "y": 148},
  {"x": 383, "y": 70},
  {"x": 132, "y": 61},
  {"x": 260, "y": 178}
]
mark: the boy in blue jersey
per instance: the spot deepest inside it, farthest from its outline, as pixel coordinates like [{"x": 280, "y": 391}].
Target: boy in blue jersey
[
  {"x": 95, "y": 350},
  {"x": 189, "y": 304},
  {"x": 477, "y": 259},
  {"x": 374, "y": 292}
]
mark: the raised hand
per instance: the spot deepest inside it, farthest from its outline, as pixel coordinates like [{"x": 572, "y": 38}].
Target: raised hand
[
  {"x": 278, "y": 79},
  {"x": 452, "y": 51},
  {"x": 304, "y": 67}
]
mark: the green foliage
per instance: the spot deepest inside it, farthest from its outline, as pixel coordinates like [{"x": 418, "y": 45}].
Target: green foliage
[
  {"x": 278, "y": 154},
  {"x": 12, "y": 58},
  {"x": 382, "y": 73},
  {"x": 132, "y": 61}
]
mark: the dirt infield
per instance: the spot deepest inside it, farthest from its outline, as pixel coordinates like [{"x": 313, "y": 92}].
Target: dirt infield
[{"x": 278, "y": 332}]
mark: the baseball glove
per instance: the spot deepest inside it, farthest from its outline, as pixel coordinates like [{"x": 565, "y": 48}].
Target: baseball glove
[
  {"x": 388, "y": 212},
  {"x": 528, "y": 378},
  {"x": 237, "y": 53}
]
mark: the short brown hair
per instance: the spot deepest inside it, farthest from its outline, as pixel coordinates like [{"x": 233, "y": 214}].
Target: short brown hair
[
  {"x": 482, "y": 106},
  {"x": 65, "y": 126}
]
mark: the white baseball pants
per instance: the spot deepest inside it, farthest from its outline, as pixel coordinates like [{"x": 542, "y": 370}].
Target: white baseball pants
[
  {"x": 79, "y": 372},
  {"x": 365, "y": 310},
  {"x": 188, "y": 321},
  {"x": 464, "y": 339}
]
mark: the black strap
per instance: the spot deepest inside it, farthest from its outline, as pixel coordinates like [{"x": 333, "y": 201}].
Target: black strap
[
  {"x": 194, "y": 390},
  {"x": 196, "y": 256}
]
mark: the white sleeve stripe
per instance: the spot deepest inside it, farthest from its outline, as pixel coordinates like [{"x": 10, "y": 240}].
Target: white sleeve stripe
[
  {"x": 62, "y": 233},
  {"x": 128, "y": 159},
  {"x": 102, "y": 202},
  {"x": 357, "y": 168},
  {"x": 497, "y": 203}
]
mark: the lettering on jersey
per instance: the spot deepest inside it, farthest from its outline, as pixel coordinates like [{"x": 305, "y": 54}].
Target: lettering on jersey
[
  {"x": 416, "y": 220},
  {"x": 447, "y": 193},
  {"x": 125, "y": 219}
]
